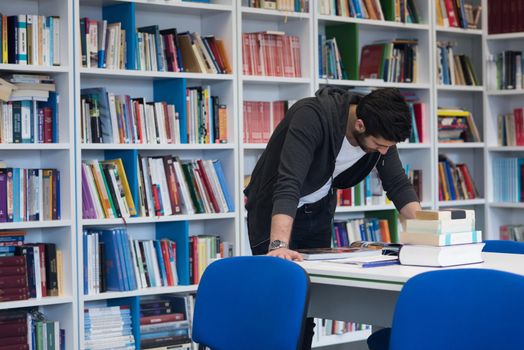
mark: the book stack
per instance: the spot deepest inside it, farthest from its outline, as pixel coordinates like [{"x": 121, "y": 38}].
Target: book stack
[
  {"x": 29, "y": 329},
  {"x": 261, "y": 118},
  {"x": 203, "y": 250},
  {"x": 271, "y": 53},
  {"x": 165, "y": 323},
  {"x": 108, "y": 327},
  {"x": 441, "y": 238},
  {"x": 13, "y": 278},
  {"x": 456, "y": 125}
]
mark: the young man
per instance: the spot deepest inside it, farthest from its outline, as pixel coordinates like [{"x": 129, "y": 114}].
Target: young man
[{"x": 329, "y": 141}]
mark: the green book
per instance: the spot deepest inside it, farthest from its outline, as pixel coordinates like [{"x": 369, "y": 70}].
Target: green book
[
  {"x": 388, "y": 8},
  {"x": 347, "y": 42}
]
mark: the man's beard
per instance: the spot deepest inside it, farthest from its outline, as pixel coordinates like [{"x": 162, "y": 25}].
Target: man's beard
[{"x": 360, "y": 138}]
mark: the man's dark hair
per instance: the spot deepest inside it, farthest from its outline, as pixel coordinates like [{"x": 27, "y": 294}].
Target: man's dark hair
[{"x": 385, "y": 114}]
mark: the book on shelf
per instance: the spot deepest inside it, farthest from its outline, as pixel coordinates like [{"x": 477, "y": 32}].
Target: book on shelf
[
  {"x": 261, "y": 118},
  {"x": 512, "y": 232},
  {"x": 348, "y": 232},
  {"x": 29, "y": 194},
  {"x": 327, "y": 328},
  {"x": 281, "y": 5},
  {"x": 508, "y": 179},
  {"x": 505, "y": 70},
  {"x": 30, "y": 329},
  {"x": 456, "y": 125},
  {"x": 434, "y": 256},
  {"x": 454, "y": 69},
  {"x": 30, "y": 40},
  {"x": 459, "y": 14},
  {"x": 402, "y": 11},
  {"x": 417, "y": 110},
  {"x": 203, "y": 250},
  {"x": 391, "y": 61},
  {"x": 271, "y": 53},
  {"x": 510, "y": 128},
  {"x": 504, "y": 17},
  {"x": 455, "y": 181},
  {"x": 108, "y": 326}
]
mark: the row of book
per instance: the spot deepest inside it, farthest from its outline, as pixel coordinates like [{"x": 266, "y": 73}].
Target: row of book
[
  {"x": 458, "y": 14},
  {"x": 505, "y": 70},
  {"x": 330, "y": 63},
  {"x": 115, "y": 262},
  {"x": 203, "y": 250},
  {"x": 29, "y": 111},
  {"x": 30, "y": 329},
  {"x": 165, "y": 321},
  {"x": 331, "y": 327},
  {"x": 441, "y": 238},
  {"x": 403, "y": 11},
  {"x": 110, "y": 118},
  {"x": 392, "y": 61},
  {"x": 28, "y": 270},
  {"x": 261, "y": 118},
  {"x": 365, "y": 229},
  {"x": 30, "y": 40},
  {"x": 508, "y": 179},
  {"x": 456, "y": 125},
  {"x": 512, "y": 232},
  {"x": 455, "y": 181},
  {"x": 29, "y": 194},
  {"x": 108, "y": 327},
  {"x": 281, "y": 5},
  {"x": 454, "y": 69},
  {"x": 510, "y": 128},
  {"x": 505, "y": 16},
  {"x": 271, "y": 53},
  {"x": 417, "y": 110}
]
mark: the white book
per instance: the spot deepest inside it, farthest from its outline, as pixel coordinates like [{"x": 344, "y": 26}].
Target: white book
[
  {"x": 154, "y": 258},
  {"x": 423, "y": 255},
  {"x": 39, "y": 271},
  {"x": 114, "y": 118},
  {"x": 22, "y": 40},
  {"x": 444, "y": 239},
  {"x": 146, "y": 175},
  {"x": 215, "y": 184},
  {"x": 187, "y": 205},
  {"x": 166, "y": 201},
  {"x": 56, "y": 40},
  {"x": 139, "y": 256},
  {"x": 160, "y": 122},
  {"x": 91, "y": 186},
  {"x": 138, "y": 278}
]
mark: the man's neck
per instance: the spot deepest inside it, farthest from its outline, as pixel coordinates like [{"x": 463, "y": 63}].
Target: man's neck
[{"x": 352, "y": 117}]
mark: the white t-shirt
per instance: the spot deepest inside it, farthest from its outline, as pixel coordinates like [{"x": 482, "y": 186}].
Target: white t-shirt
[{"x": 347, "y": 156}]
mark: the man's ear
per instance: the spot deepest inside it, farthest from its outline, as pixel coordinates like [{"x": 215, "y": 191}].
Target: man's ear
[{"x": 359, "y": 126}]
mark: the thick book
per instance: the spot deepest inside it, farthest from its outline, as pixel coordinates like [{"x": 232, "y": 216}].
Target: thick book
[
  {"x": 424, "y": 255},
  {"x": 440, "y": 226},
  {"x": 337, "y": 253},
  {"x": 444, "y": 239},
  {"x": 445, "y": 214}
]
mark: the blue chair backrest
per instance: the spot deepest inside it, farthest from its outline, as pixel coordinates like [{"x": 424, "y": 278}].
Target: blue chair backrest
[
  {"x": 501, "y": 246},
  {"x": 466, "y": 309},
  {"x": 251, "y": 303}
]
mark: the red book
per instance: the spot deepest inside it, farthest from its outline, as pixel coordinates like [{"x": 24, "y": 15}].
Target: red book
[
  {"x": 14, "y": 329},
  {"x": 469, "y": 183},
  {"x": 370, "y": 61},
  {"x": 207, "y": 185},
  {"x": 12, "y": 271},
  {"x": 15, "y": 347},
  {"x": 12, "y": 261},
  {"x": 165, "y": 257},
  {"x": 295, "y": 44},
  {"x": 196, "y": 276},
  {"x": 452, "y": 17},
  {"x": 48, "y": 124},
  {"x": 174, "y": 196},
  {"x": 246, "y": 57},
  {"x": 419, "y": 108},
  {"x": 13, "y": 281},
  {"x": 162, "y": 318},
  {"x": 519, "y": 126},
  {"x": 14, "y": 297}
]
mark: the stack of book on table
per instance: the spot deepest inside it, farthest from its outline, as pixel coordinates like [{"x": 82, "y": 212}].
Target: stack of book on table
[{"x": 441, "y": 238}]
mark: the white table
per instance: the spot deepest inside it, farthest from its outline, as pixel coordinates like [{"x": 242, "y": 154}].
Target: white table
[{"x": 368, "y": 295}]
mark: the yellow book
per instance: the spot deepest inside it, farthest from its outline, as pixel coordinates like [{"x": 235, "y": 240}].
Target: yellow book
[
  {"x": 101, "y": 189},
  {"x": 59, "y": 272},
  {"x": 125, "y": 185},
  {"x": 443, "y": 182},
  {"x": 452, "y": 113},
  {"x": 4, "y": 39},
  {"x": 440, "y": 21}
]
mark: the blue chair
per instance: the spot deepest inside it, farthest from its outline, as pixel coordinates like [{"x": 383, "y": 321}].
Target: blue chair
[
  {"x": 466, "y": 309},
  {"x": 501, "y": 246},
  {"x": 251, "y": 302},
  {"x": 380, "y": 339}
]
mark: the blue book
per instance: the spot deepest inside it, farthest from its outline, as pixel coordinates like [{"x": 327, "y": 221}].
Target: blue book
[
  {"x": 223, "y": 184},
  {"x": 123, "y": 257},
  {"x": 84, "y": 250},
  {"x": 161, "y": 264},
  {"x": 113, "y": 267}
]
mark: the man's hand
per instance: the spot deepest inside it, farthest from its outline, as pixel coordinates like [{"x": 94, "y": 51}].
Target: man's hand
[{"x": 285, "y": 253}]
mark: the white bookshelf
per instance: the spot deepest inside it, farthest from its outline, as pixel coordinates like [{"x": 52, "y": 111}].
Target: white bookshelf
[{"x": 62, "y": 308}]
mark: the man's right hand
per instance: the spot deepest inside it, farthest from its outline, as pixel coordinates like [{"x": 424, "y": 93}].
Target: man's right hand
[{"x": 285, "y": 253}]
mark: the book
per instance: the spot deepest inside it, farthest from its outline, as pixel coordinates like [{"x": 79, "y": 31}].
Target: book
[
  {"x": 440, "y": 226},
  {"x": 444, "y": 214},
  {"x": 369, "y": 261},
  {"x": 443, "y": 239},
  {"x": 425, "y": 255},
  {"x": 337, "y": 253}
]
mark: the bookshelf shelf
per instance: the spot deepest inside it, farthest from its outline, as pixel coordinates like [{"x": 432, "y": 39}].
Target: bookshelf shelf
[
  {"x": 178, "y": 7},
  {"x": 505, "y": 92},
  {"x": 454, "y": 145},
  {"x": 336, "y": 339},
  {"x": 407, "y": 145},
  {"x": 506, "y": 205},
  {"x": 254, "y": 146},
  {"x": 36, "y": 302},
  {"x": 253, "y": 79},
  {"x": 35, "y": 146},
  {"x": 461, "y": 203},
  {"x": 465, "y": 88},
  {"x": 505, "y": 36},
  {"x": 138, "y": 74},
  {"x": 459, "y": 31},
  {"x": 374, "y": 83},
  {"x": 506, "y": 148},
  {"x": 174, "y": 147},
  {"x": 32, "y": 224},
  {"x": 141, "y": 292},
  {"x": 34, "y": 69},
  {"x": 171, "y": 218},
  {"x": 264, "y": 14},
  {"x": 371, "y": 24},
  {"x": 363, "y": 208}
]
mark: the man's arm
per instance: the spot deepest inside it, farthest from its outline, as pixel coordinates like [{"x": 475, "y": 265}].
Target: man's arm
[
  {"x": 281, "y": 225},
  {"x": 408, "y": 211}
]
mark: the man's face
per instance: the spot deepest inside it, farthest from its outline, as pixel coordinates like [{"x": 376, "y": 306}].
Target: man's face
[{"x": 370, "y": 143}]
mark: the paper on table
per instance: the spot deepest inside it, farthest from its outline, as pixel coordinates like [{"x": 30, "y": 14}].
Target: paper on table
[{"x": 368, "y": 261}]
